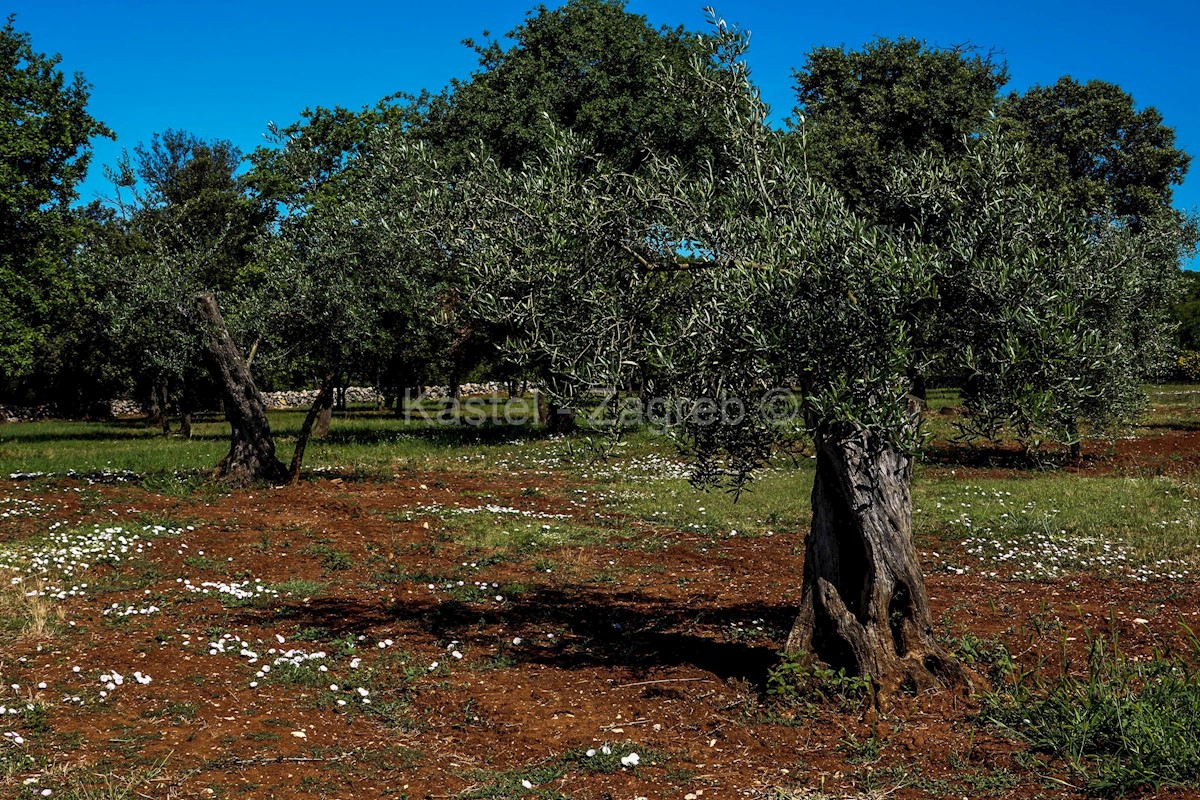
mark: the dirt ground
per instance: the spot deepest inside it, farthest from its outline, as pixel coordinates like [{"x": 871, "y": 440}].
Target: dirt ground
[{"x": 659, "y": 650}]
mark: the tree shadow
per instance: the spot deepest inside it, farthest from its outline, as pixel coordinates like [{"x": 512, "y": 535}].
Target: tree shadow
[
  {"x": 1001, "y": 456},
  {"x": 570, "y": 629}
]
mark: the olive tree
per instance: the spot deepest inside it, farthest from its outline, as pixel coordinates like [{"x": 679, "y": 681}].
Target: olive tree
[
  {"x": 184, "y": 238},
  {"x": 757, "y": 279}
]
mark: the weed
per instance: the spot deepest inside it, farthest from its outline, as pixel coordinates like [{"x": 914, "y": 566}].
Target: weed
[
  {"x": 799, "y": 679},
  {"x": 331, "y": 559},
  {"x": 862, "y": 751},
  {"x": 1122, "y": 726}
]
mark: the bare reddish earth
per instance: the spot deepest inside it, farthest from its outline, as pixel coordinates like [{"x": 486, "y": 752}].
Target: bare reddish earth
[{"x": 618, "y": 644}]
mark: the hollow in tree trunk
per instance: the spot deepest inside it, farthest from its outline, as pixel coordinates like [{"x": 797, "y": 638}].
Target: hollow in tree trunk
[
  {"x": 863, "y": 601},
  {"x": 251, "y": 456}
]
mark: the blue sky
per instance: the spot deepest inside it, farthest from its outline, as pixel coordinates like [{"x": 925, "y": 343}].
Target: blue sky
[{"x": 226, "y": 69}]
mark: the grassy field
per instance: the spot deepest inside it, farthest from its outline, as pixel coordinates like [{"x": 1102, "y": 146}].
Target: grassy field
[{"x": 484, "y": 611}]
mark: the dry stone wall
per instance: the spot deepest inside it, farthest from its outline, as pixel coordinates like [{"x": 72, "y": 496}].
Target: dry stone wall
[{"x": 297, "y": 398}]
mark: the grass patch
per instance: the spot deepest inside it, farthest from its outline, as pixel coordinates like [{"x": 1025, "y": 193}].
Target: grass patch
[
  {"x": 1043, "y": 525},
  {"x": 1122, "y": 726},
  {"x": 777, "y": 501},
  {"x": 534, "y": 780}
]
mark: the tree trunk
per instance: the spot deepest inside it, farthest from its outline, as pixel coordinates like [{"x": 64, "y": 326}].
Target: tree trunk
[
  {"x": 410, "y": 396},
  {"x": 918, "y": 392},
  {"x": 324, "y": 413},
  {"x": 154, "y": 412},
  {"x": 322, "y": 404},
  {"x": 863, "y": 601},
  {"x": 1075, "y": 441},
  {"x": 251, "y": 455},
  {"x": 557, "y": 419},
  {"x": 184, "y": 406},
  {"x": 164, "y": 402}
]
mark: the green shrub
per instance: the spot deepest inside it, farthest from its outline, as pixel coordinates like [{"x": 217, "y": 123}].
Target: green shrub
[{"x": 1189, "y": 366}]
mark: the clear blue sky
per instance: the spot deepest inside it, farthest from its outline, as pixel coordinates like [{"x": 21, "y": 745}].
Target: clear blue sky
[{"x": 226, "y": 69}]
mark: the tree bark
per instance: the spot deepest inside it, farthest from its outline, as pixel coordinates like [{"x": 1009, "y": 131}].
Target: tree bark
[
  {"x": 321, "y": 405},
  {"x": 863, "y": 601},
  {"x": 557, "y": 419},
  {"x": 154, "y": 413},
  {"x": 323, "y": 419},
  {"x": 184, "y": 406},
  {"x": 164, "y": 402},
  {"x": 251, "y": 456}
]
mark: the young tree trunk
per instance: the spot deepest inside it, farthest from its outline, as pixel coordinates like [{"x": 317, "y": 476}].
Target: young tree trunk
[
  {"x": 1075, "y": 443},
  {"x": 557, "y": 419},
  {"x": 863, "y": 601},
  {"x": 408, "y": 397},
  {"x": 184, "y": 406},
  {"x": 324, "y": 414},
  {"x": 321, "y": 405},
  {"x": 154, "y": 412},
  {"x": 251, "y": 455},
  {"x": 164, "y": 402}
]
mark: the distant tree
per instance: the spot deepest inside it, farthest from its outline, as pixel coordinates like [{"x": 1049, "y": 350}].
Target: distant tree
[
  {"x": 1117, "y": 164},
  {"x": 863, "y": 112},
  {"x": 1187, "y": 311},
  {"x": 589, "y": 66},
  {"x": 342, "y": 297},
  {"x": 342, "y": 293},
  {"x": 45, "y": 147},
  {"x": 1097, "y": 148}
]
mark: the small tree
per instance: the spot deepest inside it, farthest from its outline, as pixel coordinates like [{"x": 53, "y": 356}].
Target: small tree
[
  {"x": 186, "y": 235},
  {"x": 342, "y": 295}
]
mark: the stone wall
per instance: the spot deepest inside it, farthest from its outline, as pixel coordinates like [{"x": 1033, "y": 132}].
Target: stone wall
[
  {"x": 25, "y": 413},
  {"x": 298, "y": 398}
]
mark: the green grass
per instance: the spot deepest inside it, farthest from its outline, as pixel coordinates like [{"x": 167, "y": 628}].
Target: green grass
[
  {"x": 1122, "y": 726},
  {"x": 777, "y": 501},
  {"x": 1065, "y": 520},
  {"x": 541, "y": 776},
  {"x": 359, "y": 442}
]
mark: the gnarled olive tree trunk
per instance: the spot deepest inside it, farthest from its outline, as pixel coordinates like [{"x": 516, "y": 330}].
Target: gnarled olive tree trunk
[
  {"x": 863, "y": 601},
  {"x": 251, "y": 456}
]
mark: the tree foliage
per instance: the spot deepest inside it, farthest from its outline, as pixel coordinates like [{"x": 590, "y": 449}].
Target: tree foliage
[
  {"x": 766, "y": 278},
  {"x": 185, "y": 226},
  {"x": 45, "y": 147},
  {"x": 588, "y": 66},
  {"x": 1097, "y": 148},
  {"x": 866, "y": 111}
]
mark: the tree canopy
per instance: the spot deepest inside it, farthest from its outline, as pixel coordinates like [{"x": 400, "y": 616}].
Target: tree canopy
[
  {"x": 589, "y": 66},
  {"x": 1098, "y": 148},
  {"x": 865, "y": 111},
  {"x": 45, "y": 148},
  {"x": 766, "y": 278}
]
